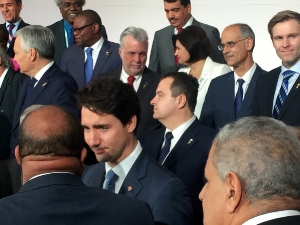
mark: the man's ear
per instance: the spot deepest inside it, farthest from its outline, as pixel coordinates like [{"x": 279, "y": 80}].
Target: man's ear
[
  {"x": 131, "y": 125},
  {"x": 233, "y": 191},
  {"x": 181, "y": 101},
  {"x": 83, "y": 155},
  {"x": 249, "y": 43},
  {"x": 17, "y": 155}
]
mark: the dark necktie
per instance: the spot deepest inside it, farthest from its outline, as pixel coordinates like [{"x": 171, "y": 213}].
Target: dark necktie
[
  {"x": 88, "y": 66},
  {"x": 283, "y": 92},
  {"x": 130, "y": 80},
  {"x": 165, "y": 150},
  {"x": 111, "y": 178},
  {"x": 10, "y": 34},
  {"x": 30, "y": 86},
  {"x": 72, "y": 39},
  {"x": 239, "y": 97},
  {"x": 179, "y": 30}
]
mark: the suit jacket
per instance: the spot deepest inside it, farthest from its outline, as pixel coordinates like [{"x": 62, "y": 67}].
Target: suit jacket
[
  {"x": 146, "y": 93},
  {"x": 9, "y": 91},
  {"x": 290, "y": 220},
  {"x": 10, "y": 51},
  {"x": 187, "y": 159},
  {"x": 63, "y": 199},
  {"x": 73, "y": 61},
  {"x": 264, "y": 94},
  {"x": 150, "y": 182},
  {"x": 162, "y": 53},
  {"x": 54, "y": 88},
  {"x": 218, "y": 108},
  {"x": 210, "y": 71},
  {"x": 58, "y": 30}
]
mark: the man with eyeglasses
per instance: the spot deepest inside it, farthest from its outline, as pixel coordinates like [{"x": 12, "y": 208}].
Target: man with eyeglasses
[
  {"x": 229, "y": 97},
  {"x": 92, "y": 54},
  {"x": 62, "y": 29}
]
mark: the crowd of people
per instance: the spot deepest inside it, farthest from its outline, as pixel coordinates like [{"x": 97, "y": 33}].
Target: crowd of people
[{"x": 89, "y": 134}]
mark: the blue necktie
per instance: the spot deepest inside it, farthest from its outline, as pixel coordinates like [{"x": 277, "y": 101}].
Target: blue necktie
[
  {"x": 239, "y": 97},
  {"x": 165, "y": 150},
  {"x": 283, "y": 92},
  {"x": 10, "y": 34},
  {"x": 30, "y": 86},
  {"x": 88, "y": 66},
  {"x": 111, "y": 178},
  {"x": 72, "y": 39}
]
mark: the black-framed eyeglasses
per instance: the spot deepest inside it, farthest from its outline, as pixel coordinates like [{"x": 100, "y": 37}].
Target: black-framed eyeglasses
[
  {"x": 230, "y": 44},
  {"x": 79, "y": 29}
]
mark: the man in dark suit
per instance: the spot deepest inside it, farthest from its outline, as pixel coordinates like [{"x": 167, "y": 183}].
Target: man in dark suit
[
  {"x": 93, "y": 54},
  {"x": 51, "y": 154},
  {"x": 277, "y": 93},
  {"x": 10, "y": 10},
  {"x": 133, "y": 52},
  {"x": 229, "y": 97},
  {"x": 62, "y": 29},
  {"x": 174, "y": 104},
  {"x": 46, "y": 83},
  {"x": 110, "y": 114},
  {"x": 252, "y": 175},
  {"x": 178, "y": 12}
]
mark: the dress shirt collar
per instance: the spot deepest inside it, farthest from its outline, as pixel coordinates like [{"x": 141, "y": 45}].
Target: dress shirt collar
[
  {"x": 188, "y": 23},
  {"x": 247, "y": 76},
  {"x": 123, "y": 167},
  {"x": 47, "y": 174},
  {"x": 39, "y": 74},
  {"x": 270, "y": 216},
  {"x": 295, "y": 68},
  {"x": 15, "y": 23},
  {"x": 136, "y": 82},
  {"x": 97, "y": 46},
  {"x": 3, "y": 76}
]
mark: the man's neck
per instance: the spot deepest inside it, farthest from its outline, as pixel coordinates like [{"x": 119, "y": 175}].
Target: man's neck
[
  {"x": 244, "y": 68},
  {"x": 177, "y": 120}
]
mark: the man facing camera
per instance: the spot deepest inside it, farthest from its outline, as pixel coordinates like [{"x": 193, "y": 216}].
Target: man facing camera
[
  {"x": 252, "y": 174},
  {"x": 51, "y": 153},
  {"x": 110, "y": 114}
]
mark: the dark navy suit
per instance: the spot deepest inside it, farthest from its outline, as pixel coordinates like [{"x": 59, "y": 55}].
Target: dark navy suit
[
  {"x": 187, "y": 159},
  {"x": 290, "y": 220},
  {"x": 218, "y": 108},
  {"x": 152, "y": 183},
  {"x": 61, "y": 198},
  {"x": 72, "y": 61}
]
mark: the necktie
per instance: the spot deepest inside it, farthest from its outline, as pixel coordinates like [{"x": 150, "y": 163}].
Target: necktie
[
  {"x": 179, "y": 30},
  {"x": 30, "y": 86},
  {"x": 10, "y": 34},
  {"x": 72, "y": 39},
  {"x": 283, "y": 92},
  {"x": 88, "y": 66},
  {"x": 165, "y": 150},
  {"x": 111, "y": 178},
  {"x": 239, "y": 97},
  {"x": 130, "y": 80}
]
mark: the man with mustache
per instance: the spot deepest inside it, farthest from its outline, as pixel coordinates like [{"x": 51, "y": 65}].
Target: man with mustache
[{"x": 178, "y": 13}]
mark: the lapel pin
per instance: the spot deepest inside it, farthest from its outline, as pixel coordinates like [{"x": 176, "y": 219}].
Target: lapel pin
[
  {"x": 44, "y": 84},
  {"x": 145, "y": 85},
  {"x": 129, "y": 188},
  {"x": 107, "y": 53},
  {"x": 190, "y": 141},
  {"x": 298, "y": 85}
]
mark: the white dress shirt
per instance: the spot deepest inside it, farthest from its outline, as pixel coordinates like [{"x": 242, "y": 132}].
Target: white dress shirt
[
  {"x": 136, "y": 82},
  {"x": 246, "y": 77},
  {"x": 188, "y": 23},
  {"x": 3, "y": 76},
  {"x": 39, "y": 74},
  {"x": 96, "y": 49}
]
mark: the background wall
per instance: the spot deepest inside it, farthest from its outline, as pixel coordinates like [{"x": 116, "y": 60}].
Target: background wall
[{"x": 149, "y": 14}]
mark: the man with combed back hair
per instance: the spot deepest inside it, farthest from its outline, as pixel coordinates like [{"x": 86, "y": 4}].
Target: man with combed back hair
[{"x": 252, "y": 174}]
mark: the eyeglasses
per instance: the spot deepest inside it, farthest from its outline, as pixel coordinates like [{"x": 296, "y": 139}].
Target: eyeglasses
[
  {"x": 230, "y": 44},
  {"x": 79, "y": 29}
]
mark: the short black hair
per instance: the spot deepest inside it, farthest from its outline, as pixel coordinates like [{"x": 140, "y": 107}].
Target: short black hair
[
  {"x": 184, "y": 84},
  {"x": 92, "y": 17},
  {"x": 182, "y": 2},
  {"x": 195, "y": 41},
  {"x": 111, "y": 96}
]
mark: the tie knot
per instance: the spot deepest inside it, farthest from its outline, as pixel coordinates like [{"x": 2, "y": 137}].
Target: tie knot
[
  {"x": 130, "y": 79},
  {"x": 89, "y": 51},
  {"x": 179, "y": 30},
  {"x": 288, "y": 74},
  {"x": 32, "y": 81},
  {"x": 11, "y": 26},
  {"x": 169, "y": 135},
  {"x": 240, "y": 81},
  {"x": 111, "y": 176}
]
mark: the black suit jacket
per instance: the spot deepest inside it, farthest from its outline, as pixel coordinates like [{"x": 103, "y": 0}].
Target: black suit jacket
[
  {"x": 8, "y": 97},
  {"x": 264, "y": 94},
  {"x": 187, "y": 159},
  {"x": 289, "y": 220},
  {"x": 54, "y": 88},
  {"x": 63, "y": 199},
  {"x": 58, "y": 30},
  {"x": 146, "y": 93},
  {"x": 218, "y": 108},
  {"x": 152, "y": 183},
  {"x": 10, "y": 50}
]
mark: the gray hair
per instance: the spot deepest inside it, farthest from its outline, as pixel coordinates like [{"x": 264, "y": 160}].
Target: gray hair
[
  {"x": 246, "y": 32},
  {"x": 6, "y": 61},
  {"x": 264, "y": 153},
  {"x": 29, "y": 110},
  {"x": 39, "y": 38},
  {"x": 58, "y": 2},
  {"x": 138, "y": 34}
]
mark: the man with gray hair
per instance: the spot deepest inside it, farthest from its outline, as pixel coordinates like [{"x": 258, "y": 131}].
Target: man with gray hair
[
  {"x": 229, "y": 97},
  {"x": 62, "y": 29},
  {"x": 46, "y": 83},
  {"x": 133, "y": 52},
  {"x": 252, "y": 174}
]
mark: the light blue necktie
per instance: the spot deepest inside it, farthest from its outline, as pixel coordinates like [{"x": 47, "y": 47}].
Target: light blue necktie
[
  {"x": 88, "y": 66},
  {"x": 239, "y": 97},
  {"x": 283, "y": 92},
  {"x": 165, "y": 150},
  {"x": 111, "y": 178}
]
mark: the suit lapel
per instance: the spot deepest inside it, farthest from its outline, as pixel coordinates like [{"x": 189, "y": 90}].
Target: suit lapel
[
  {"x": 228, "y": 97},
  {"x": 205, "y": 72},
  {"x": 157, "y": 140},
  {"x": 271, "y": 87},
  {"x": 102, "y": 58},
  {"x": 145, "y": 83},
  {"x": 79, "y": 63},
  {"x": 5, "y": 83}
]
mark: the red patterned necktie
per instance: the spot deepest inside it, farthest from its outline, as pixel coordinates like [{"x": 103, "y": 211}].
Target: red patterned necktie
[
  {"x": 130, "y": 80},
  {"x": 179, "y": 30}
]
